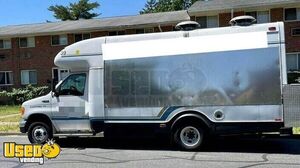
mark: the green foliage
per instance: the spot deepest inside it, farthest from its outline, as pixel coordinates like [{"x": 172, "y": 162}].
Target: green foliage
[
  {"x": 75, "y": 11},
  {"x": 21, "y": 95},
  {"x": 149, "y": 7},
  {"x": 153, "y": 6}
]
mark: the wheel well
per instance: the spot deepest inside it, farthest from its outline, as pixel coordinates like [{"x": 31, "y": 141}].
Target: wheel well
[
  {"x": 192, "y": 117},
  {"x": 38, "y": 118}
]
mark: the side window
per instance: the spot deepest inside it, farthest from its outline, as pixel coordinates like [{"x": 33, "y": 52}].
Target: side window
[{"x": 73, "y": 85}]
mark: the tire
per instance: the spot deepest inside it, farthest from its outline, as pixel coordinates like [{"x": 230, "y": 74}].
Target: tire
[
  {"x": 189, "y": 136},
  {"x": 39, "y": 133}
]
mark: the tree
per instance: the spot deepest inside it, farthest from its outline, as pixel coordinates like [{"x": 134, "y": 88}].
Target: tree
[
  {"x": 75, "y": 11},
  {"x": 166, "y": 5},
  {"x": 149, "y": 7}
]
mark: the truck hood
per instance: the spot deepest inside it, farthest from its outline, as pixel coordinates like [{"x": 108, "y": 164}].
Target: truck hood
[{"x": 36, "y": 101}]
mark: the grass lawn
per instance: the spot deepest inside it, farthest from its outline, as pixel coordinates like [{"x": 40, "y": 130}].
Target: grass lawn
[
  {"x": 13, "y": 128},
  {"x": 11, "y": 119},
  {"x": 8, "y": 110},
  {"x": 296, "y": 130}
]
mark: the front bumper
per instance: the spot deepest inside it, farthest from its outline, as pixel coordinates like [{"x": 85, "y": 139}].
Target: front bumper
[{"x": 22, "y": 126}]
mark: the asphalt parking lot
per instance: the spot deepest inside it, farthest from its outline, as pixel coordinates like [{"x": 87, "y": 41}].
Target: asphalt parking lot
[{"x": 231, "y": 152}]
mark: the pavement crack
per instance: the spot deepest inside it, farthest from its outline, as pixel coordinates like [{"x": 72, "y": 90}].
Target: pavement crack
[
  {"x": 263, "y": 162},
  {"x": 194, "y": 156},
  {"x": 101, "y": 157}
]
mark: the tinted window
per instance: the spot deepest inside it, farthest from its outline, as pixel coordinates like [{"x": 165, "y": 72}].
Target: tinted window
[
  {"x": 291, "y": 14},
  {"x": 73, "y": 85}
]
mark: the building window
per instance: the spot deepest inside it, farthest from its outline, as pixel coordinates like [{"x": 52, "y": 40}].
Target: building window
[
  {"x": 28, "y": 77},
  {"x": 207, "y": 21},
  {"x": 26, "y": 42},
  {"x": 2, "y": 57},
  {"x": 292, "y": 14},
  {"x": 5, "y": 44},
  {"x": 6, "y": 78},
  {"x": 145, "y": 30},
  {"x": 149, "y": 30},
  {"x": 140, "y": 31},
  {"x": 293, "y": 67},
  {"x": 260, "y": 16},
  {"x": 116, "y": 33},
  {"x": 82, "y": 36},
  {"x": 59, "y": 74},
  {"x": 296, "y": 31},
  {"x": 59, "y": 40}
]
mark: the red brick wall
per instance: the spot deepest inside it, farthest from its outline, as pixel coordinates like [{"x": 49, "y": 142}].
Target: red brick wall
[
  {"x": 40, "y": 57},
  {"x": 292, "y": 42},
  {"x": 276, "y": 14},
  {"x": 99, "y": 34},
  {"x": 224, "y": 18},
  {"x": 167, "y": 28}
]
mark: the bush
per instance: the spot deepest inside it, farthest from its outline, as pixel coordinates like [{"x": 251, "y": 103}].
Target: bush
[{"x": 20, "y": 95}]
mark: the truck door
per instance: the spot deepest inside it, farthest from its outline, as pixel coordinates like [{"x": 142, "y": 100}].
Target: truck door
[{"x": 69, "y": 105}]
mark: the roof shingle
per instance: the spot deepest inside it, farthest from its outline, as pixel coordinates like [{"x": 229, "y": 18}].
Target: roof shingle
[
  {"x": 122, "y": 22},
  {"x": 212, "y": 5}
]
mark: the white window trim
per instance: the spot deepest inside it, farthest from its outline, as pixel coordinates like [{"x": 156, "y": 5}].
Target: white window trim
[
  {"x": 6, "y": 79},
  {"x": 298, "y": 54},
  {"x": 81, "y": 36},
  {"x": 269, "y": 10},
  {"x": 27, "y": 42},
  {"x": 28, "y": 71},
  {"x": 3, "y": 44},
  {"x": 292, "y": 32},
  {"x": 298, "y": 19},
  {"x": 149, "y": 28},
  {"x": 58, "y": 70},
  {"x": 59, "y": 40},
  {"x": 218, "y": 20}
]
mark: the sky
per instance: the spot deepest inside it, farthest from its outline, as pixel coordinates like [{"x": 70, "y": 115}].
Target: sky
[{"x": 15, "y": 12}]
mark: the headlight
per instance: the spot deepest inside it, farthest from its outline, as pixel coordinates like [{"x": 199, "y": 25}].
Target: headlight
[{"x": 22, "y": 111}]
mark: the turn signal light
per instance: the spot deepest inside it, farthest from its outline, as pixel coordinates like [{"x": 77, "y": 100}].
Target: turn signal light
[{"x": 22, "y": 111}]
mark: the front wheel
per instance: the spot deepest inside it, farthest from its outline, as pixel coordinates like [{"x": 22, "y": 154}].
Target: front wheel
[
  {"x": 39, "y": 133},
  {"x": 189, "y": 136}
]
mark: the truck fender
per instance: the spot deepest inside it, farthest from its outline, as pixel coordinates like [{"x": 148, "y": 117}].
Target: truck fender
[
  {"x": 203, "y": 120},
  {"x": 41, "y": 118}
]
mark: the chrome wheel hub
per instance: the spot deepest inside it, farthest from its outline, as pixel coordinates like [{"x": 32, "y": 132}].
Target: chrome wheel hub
[
  {"x": 190, "y": 136},
  {"x": 40, "y": 134}
]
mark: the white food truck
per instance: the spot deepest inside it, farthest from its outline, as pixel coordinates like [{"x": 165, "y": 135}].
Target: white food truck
[{"x": 185, "y": 84}]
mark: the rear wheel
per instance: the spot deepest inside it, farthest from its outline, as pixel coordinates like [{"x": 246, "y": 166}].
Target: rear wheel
[
  {"x": 189, "y": 136},
  {"x": 39, "y": 133}
]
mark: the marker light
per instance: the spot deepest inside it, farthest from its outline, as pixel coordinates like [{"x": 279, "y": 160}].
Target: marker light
[
  {"x": 22, "y": 111},
  {"x": 272, "y": 28}
]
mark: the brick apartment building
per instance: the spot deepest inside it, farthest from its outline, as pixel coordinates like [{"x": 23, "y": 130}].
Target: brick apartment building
[
  {"x": 27, "y": 51},
  {"x": 218, "y": 13}
]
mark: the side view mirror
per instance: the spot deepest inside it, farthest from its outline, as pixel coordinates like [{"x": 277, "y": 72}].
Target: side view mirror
[{"x": 54, "y": 91}]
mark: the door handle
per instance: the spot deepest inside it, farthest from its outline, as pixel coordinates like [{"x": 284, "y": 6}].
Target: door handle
[{"x": 45, "y": 101}]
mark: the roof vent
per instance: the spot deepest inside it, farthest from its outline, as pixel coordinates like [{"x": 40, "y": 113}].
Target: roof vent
[
  {"x": 242, "y": 21},
  {"x": 187, "y": 25}
]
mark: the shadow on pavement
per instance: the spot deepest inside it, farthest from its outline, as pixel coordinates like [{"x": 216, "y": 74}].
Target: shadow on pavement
[{"x": 241, "y": 144}]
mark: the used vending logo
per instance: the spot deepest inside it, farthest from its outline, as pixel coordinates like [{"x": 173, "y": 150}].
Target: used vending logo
[{"x": 31, "y": 153}]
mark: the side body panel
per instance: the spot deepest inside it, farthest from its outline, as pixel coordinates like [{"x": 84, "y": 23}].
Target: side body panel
[{"x": 243, "y": 84}]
